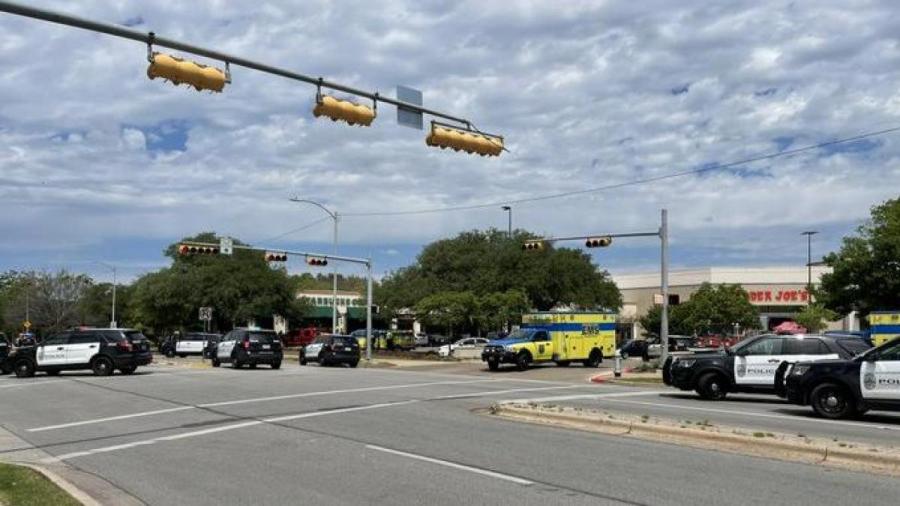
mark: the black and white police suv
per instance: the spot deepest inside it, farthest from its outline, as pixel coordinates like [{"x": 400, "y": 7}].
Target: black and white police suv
[
  {"x": 850, "y": 387},
  {"x": 250, "y": 347},
  {"x": 191, "y": 343},
  {"x": 750, "y": 365},
  {"x": 100, "y": 350}
]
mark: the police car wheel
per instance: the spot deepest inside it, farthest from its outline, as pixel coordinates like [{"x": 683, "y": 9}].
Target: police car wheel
[
  {"x": 170, "y": 353},
  {"x": 276, "y": 365},
  {"x": 24, "y": 369},
  {"x": 102, "y": 366},
  {"x": 354, "y": 363},
  {"x": 712, "y": 387},
  {"x": 493, "y": 365},
  {"x": 128, "y": 370},
  {"x": 236, "y": 364},
  {"x": 831, "y": 401},
  {"x": 215, "y": 362},
  {"x": 302, "y": 361}
]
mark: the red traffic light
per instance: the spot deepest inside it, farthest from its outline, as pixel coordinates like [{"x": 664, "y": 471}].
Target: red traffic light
[
  {"x": 197, "y": 249},
  {"x": 276, "y": 256},
  {"x": 317, "y": 261},
  {"x": 598, "y": 242}
]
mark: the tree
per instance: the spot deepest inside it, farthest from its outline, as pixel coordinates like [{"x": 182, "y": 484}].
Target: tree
[
  {"x": 450, "y": 310},
  {"x": 814, "y": 316},
  {"x": 865, "y": 273},
  {"x": 239, "y": 288},
  {"x": 711, "y": 309},
  {"x": 50, "y": 299},
  {"x": 486, "y": 262}
]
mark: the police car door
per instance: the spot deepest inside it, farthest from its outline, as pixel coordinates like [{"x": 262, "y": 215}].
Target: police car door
[
  {"x": 82, "y": 347},
  {"x": 756, "y": 363},
  {"x": 53, "y": 350},
  {"x": 223, "y": 350},
  {"x": 880, "y": 378}
]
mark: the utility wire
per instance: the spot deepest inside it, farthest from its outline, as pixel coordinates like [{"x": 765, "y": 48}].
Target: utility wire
[
  {"x": 294, "y": 231},
  {"x": 635, "y": 182}
]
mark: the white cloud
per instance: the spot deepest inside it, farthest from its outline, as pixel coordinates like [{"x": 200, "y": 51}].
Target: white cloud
[{"x": 593, "y": 94}]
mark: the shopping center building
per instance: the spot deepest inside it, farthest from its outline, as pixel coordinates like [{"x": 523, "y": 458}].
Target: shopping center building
[{"x": 778, "y": 292}]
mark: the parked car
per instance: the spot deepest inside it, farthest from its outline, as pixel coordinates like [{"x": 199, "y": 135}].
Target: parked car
[
  {"x": 99, "y": 350},
  {"x": 5, "y": 367},
  {"x": 331, "y": 349},
  {"x": 421, "y": 339},
  {"x": 468, "y": 343},
  {"x": 438, "y": 340},
  {"x": 190, "y": 343},
  {"x": 751, "y": 365},
  {"x": 848, "y": 387},
  {"x": 303, "y": 336},
  {"x": 243, "y": 346}
]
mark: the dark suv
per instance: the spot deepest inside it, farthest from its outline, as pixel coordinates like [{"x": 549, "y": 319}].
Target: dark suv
[
  {"x": 99, "y": 350},
  {"x": 331, "y": 349},
  {"x": 249, "y": 346}
]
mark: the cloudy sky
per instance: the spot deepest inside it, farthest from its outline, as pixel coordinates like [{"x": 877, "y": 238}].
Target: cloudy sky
[{"x": 99, "y": 163}]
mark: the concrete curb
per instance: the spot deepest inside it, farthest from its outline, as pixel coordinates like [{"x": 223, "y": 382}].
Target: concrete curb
[
  {"x": 62, "y": 483},
  {"x": 728, "y": 442}
]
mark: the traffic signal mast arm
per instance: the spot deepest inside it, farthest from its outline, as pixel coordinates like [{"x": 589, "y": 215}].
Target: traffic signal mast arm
[
  {"x": 585, "y": 237},
  {"x": 150, "y": 38},
  {"x": 355, "y": 260}
]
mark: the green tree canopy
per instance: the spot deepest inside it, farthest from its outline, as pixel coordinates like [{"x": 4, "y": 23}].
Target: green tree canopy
[
  {"x": 484, "y": 262},
  {"x": 239, "y": 288},
  {"x": 866, "y": 270},
  {"x": 711, "y": 309}
]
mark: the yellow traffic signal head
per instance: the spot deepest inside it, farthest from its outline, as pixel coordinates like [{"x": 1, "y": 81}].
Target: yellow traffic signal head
[
  {"x": 533, "y": 244},
  {"x": 598, "y": 242},
  {"x": 457, "y": 139},
  {"x": 201, "y": 77},
  {"x": 343, "y": 110}
]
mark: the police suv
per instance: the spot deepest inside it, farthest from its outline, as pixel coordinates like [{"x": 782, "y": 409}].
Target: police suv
[
  {"x": 845, "y": 388},
  {"x": 99, "y": 350},
  {"x": 249, "y": 346},
  {"x": 750, "y": 365},
  {"x": 5, "y": 366}
]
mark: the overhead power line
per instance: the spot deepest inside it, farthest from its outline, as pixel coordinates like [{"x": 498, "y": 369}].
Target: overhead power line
[
  {"x": 634, "y": 182},
  {"x": 294, "y": 231}
]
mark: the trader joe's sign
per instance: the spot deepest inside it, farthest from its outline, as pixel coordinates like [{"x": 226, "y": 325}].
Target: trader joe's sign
[{"x": 778, "y": 297}]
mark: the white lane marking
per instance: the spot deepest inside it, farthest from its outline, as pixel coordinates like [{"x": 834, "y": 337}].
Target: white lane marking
[
  {"x": 586, "y": 396},
  {"x": 332, "y": 392},
  {"x": 110, "y": 419},
  {"x": 234, "y": 426},
  {"x": 762, "y": 415},
  {"x": 476, "y": 470},
  {"x": 246, "y": 401},
  {"x": 34, "y": 383},
  {"x": 509, "y": 391}
]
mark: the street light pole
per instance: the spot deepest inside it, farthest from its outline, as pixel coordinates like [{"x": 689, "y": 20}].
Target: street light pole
[
  {"x": 508, "y": 210},
  {"x": 112, "y": 322},
  {"x": 809, "y": 234},
  {"x": 334, "y": 217}
]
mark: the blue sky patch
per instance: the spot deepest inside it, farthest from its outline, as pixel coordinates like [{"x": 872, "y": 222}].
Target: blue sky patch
[{"x": 169, "y": 135}]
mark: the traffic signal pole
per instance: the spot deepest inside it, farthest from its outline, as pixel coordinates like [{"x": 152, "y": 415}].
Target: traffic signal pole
[
  {"x": 663, "y": 234},
  {"x": 151, "y": 38}
]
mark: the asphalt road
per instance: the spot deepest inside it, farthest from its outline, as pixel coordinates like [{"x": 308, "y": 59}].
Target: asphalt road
[{"x": 369, "y": 436}]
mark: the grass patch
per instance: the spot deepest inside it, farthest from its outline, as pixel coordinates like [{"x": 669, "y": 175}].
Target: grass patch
[
  {"x": 21, "y": 486},
  {"x": 639, "y": 379}
]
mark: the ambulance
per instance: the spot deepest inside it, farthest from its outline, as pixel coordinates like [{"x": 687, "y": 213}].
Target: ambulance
[
  {"x": 884, "y": 326},
  {"x": 559, "y": 337}
]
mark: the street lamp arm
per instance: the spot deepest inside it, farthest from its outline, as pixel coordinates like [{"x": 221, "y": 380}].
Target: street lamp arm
[{"x": 313, "y": 202}]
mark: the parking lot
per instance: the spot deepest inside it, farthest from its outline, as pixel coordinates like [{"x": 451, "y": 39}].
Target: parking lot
[{"x": 170, "y": 435}]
